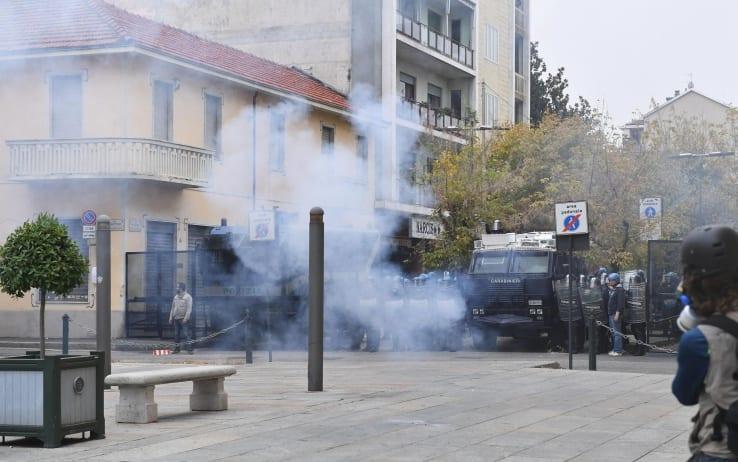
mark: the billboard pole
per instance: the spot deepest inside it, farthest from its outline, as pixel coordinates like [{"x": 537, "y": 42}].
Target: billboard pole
[
  {"x": 571, "y": 299},
  {"x": 572, "y": 233}
]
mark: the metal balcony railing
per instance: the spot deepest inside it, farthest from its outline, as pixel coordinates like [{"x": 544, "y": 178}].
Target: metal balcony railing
[
  {"x": 421, "y": 114},
  {"x": 520, "y": 90},
  {"x": 123, "y": 158},
  {"x": 421, "y": 33}
]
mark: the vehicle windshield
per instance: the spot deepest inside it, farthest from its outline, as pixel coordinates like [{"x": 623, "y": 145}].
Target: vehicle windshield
[
  {"x": 530, "y": 262},
  {"x": 490, "y": 262}
]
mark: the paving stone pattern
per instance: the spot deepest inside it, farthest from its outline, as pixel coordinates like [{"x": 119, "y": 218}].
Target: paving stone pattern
[{"x": 435, "y": 406}]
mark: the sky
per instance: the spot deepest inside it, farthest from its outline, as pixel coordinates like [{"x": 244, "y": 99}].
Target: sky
[{"x": 619, "y": 54}]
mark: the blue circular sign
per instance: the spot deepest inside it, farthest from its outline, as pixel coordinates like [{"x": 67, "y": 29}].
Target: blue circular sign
[
  {"x": 89, "y": 217},
  {"x": 571, "y": 223},
  {"x": 650, "y": 212}
]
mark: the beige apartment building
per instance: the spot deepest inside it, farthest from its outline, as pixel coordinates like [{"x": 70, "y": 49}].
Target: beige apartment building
[
  {"x": 164, "y": 132},
  {"x": 424, "y": 65}
]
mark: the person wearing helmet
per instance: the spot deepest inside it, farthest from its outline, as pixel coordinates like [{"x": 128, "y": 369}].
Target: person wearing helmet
[
  {"x": 615, "y": 298},
  {"x": 707, "y": 372}
]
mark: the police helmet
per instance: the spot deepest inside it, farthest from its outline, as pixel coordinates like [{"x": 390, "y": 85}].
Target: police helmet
[
  {"x": 613, "y": 277},
  {"x": 709, "y": 250}
]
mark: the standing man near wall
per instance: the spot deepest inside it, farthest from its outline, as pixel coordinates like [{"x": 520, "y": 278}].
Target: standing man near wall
[{"x": 180, "y": 317}]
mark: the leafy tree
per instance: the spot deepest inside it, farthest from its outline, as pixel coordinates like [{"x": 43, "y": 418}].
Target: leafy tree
[
  {"x": 518, "y": 177},
  {"x": 548, "y": 92},
  {"x": 39, "y": 254}
]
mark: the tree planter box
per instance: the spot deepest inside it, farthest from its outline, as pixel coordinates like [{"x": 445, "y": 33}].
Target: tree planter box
[{"x": 52, "y": 397}]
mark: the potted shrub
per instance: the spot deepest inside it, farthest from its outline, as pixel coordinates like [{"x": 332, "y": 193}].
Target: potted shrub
[{"x": 46, "y": 396}]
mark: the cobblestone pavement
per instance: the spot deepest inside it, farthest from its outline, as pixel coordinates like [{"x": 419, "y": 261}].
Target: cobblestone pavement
[{"x": 391, "y": 406}]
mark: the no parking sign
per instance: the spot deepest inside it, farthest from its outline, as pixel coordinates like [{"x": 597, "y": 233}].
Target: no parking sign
[{"x": 571, "y": 218}]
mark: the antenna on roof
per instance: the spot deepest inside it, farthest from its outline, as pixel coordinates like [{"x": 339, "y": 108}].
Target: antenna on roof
[{"x": 690, "y": 85}]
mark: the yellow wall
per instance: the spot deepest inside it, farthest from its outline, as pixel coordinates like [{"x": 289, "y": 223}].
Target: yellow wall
[
  {"x": 499, "y": 76},
  {"x": 117, "y": 102}
]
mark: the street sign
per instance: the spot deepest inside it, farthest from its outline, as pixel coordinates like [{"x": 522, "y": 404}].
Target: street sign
[
  {"x": 89, "y": 217},
  {"x": 88, "y": 231},
  {"x": 651, "y": 208},
  {"x": 650, "y": 213},
  {"x": 262, "y": 225},
  {"x": 571, "y": 218},
  {"x": 117, "y": 224}
]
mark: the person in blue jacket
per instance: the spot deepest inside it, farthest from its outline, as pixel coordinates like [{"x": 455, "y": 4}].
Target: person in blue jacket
[{"x": 707, "y": 373}]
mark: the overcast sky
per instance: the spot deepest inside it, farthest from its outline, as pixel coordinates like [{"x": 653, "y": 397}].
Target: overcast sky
[{"x": 622, "y": 53}]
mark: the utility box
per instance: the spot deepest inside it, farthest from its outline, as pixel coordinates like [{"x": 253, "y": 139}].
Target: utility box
[{"x": 52, "y": 397}]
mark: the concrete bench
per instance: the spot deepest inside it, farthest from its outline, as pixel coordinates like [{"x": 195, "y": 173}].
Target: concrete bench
[{"x": 137, "y": 405}]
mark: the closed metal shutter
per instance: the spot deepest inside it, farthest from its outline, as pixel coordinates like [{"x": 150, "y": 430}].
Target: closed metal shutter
[{"x": 160, "y": 272}]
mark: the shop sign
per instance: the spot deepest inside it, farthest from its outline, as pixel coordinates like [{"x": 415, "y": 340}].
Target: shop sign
[{"x": 425, "y": 228}]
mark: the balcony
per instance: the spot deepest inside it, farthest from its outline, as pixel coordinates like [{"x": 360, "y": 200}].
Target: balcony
[
  {"x": 119, "y": 158},
  {"x": 421, "y": 114},
  {"x": 520, "y": 90},
  {"x": 422, "y": 34}
]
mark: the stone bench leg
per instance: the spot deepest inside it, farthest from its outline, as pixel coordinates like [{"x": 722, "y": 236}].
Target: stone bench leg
[
  {"x": 136, "y": 405},
  {"x": 208, "y": 395}
]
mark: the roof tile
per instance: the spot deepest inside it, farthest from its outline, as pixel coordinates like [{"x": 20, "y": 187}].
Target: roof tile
[{"x": 30, "y": 25}]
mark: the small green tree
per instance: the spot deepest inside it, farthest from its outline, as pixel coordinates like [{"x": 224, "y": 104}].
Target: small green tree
[{"x": 39, "y": 254}]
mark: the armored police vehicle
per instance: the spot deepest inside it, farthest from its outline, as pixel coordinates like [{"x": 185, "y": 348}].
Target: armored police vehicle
[{"x": 516, "y": 287}]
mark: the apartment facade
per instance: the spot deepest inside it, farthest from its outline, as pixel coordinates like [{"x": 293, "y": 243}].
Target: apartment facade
[
  {"x": 689, "y": 105},
  {"x": 426, "y": 66},
  {"x": 164, "y": 132}
]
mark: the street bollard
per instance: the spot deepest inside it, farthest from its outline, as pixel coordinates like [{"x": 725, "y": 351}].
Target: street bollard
[
  {"x": 65, "y": 334},
  {"x": 269, "y": 331},
  {"x": 247, "y": 339},
  {"x": 593, "y": 344},
  {"x": 316, "y": 277},
  {"x": 103, "y": 297}
]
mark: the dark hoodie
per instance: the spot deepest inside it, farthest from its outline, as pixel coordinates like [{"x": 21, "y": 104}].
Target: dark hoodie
[{"x": 616, "y": 302}]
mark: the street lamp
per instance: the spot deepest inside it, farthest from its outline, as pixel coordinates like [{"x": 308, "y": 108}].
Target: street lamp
[{"x": 701, "y": 156}]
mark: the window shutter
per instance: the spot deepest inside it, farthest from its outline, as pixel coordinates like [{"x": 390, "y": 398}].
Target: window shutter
[
  {"x": 163, "y": 95},
  {"x": 66, "y": 106}
]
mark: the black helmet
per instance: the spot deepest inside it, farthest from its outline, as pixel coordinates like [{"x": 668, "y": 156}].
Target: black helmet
[{"x": 709, "y": 250}]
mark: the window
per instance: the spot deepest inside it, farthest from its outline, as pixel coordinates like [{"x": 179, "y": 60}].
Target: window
[
  {"x": 490, "y": 262},
  {"x": 456, "y": 103},
  {"x": 163, "y": 108},
  {"x": 531, "y": 262},
  {"x": 434, "y": 21},
  {"x": 456, "y": 30},
  {"x": 491, "y": 108},
  {"x": 362, "y": 154},
  {"x": 491, "y": 43},
  {"x": 407, "y": 8},
  {"x": 276, "y": 142},
  {"x": 328, "y": 139},
  {"x": 434, "y": 96},
  {"x": 213, "y": 122},
  {"x": 79, "y": 293},
  {"x": 519, "y": 54},
  {"x": 407, "y": 86},
  {"x": 66, "y": 106}
]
